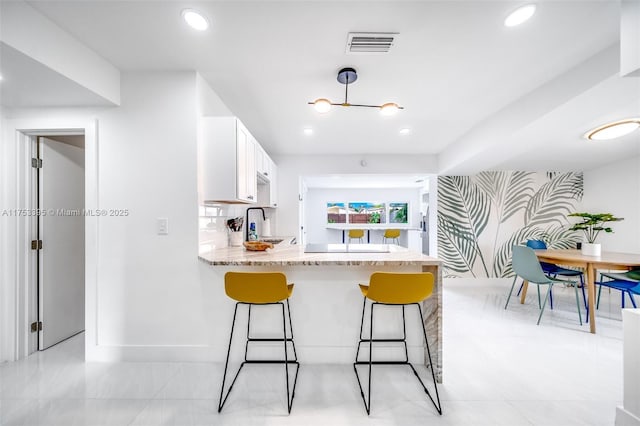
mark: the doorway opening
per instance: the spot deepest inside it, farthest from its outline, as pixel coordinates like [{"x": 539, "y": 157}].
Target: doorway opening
[
  {"x": 57, "y": 260},
  {"x": 330, "y": 205}
]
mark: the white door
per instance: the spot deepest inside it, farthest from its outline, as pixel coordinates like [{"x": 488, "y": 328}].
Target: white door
[{"x": 61, "y": 262}]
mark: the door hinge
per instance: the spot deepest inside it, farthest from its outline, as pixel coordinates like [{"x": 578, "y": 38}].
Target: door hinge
[
  {"x": 36, "y": 326},
  {"x": 36, "y": 244},
  {"x": 36, "y": 163}
]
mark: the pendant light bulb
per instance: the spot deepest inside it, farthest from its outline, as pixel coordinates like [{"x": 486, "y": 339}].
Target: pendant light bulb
[
  {"x": 322, "y": 105},
  {"x": 389, "y": 108}
]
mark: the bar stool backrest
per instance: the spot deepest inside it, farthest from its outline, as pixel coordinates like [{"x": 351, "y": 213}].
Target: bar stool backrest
[
  {"x": 392, "y": 233},
  {"x": 400, "y": 288},
  {"x": 356, "y": 233},
  {"x": 256, "y": 287}
]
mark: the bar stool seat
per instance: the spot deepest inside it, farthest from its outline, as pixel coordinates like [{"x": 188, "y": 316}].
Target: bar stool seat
[
  {"x": 399, "y": 289},
  {"x": 356, "y": 234},
  {"x": 260, "y": 288},
  {"x": 391, "y": 234}
]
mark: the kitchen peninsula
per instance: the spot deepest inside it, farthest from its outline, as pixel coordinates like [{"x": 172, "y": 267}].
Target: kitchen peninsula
[{"x": 326, "y": 305}]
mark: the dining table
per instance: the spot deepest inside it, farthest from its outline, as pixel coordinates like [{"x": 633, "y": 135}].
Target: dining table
[{"x": 589, "y": 264}]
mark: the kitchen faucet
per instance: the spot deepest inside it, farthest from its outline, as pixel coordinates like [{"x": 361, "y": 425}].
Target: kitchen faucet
[{"x": 246, "y": 222}]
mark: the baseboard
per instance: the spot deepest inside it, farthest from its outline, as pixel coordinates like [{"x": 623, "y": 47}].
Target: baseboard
[{"x": 625, "y": 418}]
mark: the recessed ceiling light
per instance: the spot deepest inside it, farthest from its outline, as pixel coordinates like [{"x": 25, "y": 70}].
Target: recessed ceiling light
[
  {"x": 405, "y": 131},
  {"x": 307, "y": 131},
  {"x": 195, "y": 19},
  {"x": 613, "y": 130},
  {"x": 0, "y": 77},
  {"x": 520, "y": 15}
]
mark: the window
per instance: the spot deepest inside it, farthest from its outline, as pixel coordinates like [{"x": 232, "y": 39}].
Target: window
[
  {"x": 336, "y": 213},
  {"x": 367, "y": 212},
  {"x": 398, "y": 212}
]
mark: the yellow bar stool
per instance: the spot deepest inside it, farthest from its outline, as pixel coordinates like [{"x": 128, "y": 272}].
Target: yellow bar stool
[
  {"x": 391, "y": 234},
  {"x": 398, "y": 289},
  {"x": 260, "y": 288},
  {"x": 356, "y": 234}
]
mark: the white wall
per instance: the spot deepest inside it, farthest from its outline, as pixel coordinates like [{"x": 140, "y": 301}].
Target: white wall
[
  {"x": 152, "y": 295},
  {"x": 316, "y": 200},
  {"x": 292, "y": 167},
  {"x": 27, "y": 30},
  {"x": 7, "y": 297},
  {"x": 615, "y": 189}
]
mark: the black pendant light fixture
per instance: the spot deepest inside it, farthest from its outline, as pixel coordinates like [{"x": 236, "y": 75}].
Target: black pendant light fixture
[{"x": 347, "y": 76}]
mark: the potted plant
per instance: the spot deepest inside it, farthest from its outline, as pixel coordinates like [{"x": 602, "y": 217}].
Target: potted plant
[{"x": 592, "y": 224}]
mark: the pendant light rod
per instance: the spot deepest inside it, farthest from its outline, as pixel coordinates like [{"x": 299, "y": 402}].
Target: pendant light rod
[{"x": 347, "y": 76}]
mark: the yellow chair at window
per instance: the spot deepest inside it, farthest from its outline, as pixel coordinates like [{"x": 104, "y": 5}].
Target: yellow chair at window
[
  {"x": 356, "y": 234},
  {"x": 391, "y": 234},
  {"x": 397, "y": 289},
  {"x": 260, "y": 288}
]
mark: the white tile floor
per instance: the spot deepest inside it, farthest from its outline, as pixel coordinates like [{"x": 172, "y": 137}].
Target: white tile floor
[{"x": 499, "y": 369}]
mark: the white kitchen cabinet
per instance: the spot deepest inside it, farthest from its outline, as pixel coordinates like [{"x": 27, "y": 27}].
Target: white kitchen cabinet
[
  {"x": 273, "y": 184},
  {"x": 227, "y": 159},
  {"x": 264, "y": 163}
]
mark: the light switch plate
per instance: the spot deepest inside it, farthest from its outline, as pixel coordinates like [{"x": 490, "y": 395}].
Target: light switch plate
[{"x": 163, "y": 225}]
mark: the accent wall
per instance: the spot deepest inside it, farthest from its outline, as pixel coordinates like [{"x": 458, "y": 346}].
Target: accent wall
[{"x": 481, "y": 217}]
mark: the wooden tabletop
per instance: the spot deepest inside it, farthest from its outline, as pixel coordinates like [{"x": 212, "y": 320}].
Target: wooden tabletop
[
  {"x": 576, "y": 257},
  {"x": 590, "y": 265}
]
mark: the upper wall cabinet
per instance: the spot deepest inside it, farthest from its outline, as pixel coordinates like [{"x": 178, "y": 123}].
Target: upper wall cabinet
[
  {"x": 263, "y": 161},
  {"x": 227, "y": 161}
]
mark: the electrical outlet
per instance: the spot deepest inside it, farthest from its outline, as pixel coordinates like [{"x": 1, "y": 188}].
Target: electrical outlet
[{"x": 163, "y": 226}]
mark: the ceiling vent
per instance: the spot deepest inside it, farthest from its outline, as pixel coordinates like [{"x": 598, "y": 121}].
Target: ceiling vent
[{"x": 370, "y": 43}]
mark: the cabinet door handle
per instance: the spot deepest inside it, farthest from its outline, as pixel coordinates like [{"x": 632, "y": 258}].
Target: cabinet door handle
[
  {"x": 266, "y": 174},
  {"x": 250, "y": 197}
]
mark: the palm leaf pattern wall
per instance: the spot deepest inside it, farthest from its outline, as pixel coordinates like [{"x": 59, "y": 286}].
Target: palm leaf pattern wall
[
  {"x": 463, "y": 213},
  {"x": 480, "y": 218}
]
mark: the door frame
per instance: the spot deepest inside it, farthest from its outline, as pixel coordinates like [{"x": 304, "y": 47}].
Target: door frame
[{"x": 19, "y": 281}]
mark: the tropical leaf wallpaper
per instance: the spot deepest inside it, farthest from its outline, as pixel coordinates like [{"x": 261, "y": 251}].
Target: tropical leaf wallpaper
[{"x": 481, "y": 217}]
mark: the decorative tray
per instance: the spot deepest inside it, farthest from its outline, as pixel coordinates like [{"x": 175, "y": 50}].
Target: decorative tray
[{"x": 257, "y": 245}]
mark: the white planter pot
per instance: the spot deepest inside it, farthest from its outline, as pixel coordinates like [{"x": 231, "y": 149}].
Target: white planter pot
[{"x": 591, "y": 249}]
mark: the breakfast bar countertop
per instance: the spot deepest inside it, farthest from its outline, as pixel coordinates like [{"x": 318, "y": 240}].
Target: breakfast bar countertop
[{"x": 292, "y": 255}]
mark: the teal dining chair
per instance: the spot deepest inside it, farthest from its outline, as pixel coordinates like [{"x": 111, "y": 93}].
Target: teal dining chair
[
  {"x": 553, "y": 271},
  {"x": 526, "y": 266}
]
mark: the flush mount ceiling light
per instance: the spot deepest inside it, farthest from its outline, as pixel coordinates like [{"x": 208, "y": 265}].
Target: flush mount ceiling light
[
  {"x": 347, "y": 76},
  {"x": 195, "y": 19},
  {"x": 520, "y": 15},
  {"x": 613, "y": 130}
]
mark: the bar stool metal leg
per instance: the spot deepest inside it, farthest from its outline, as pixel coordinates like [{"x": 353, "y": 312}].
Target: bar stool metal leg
[
  {"x": 367, "y": 399},
  {"x": 290, "y": 392}
]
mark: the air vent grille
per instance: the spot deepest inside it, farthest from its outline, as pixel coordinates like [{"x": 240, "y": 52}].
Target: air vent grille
[{"x": 370, "y": 43}]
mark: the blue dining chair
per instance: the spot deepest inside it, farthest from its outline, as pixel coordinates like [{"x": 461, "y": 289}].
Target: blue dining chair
[
  {"x": 627, "y": 282},
  {"x": 554, "y": 270},
  {"x": 526, "y": 266}
]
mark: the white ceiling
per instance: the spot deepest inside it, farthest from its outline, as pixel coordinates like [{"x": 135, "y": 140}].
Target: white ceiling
[
  {"x": 368, "y": 181},
  {"x": 454, "y": 68}
]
